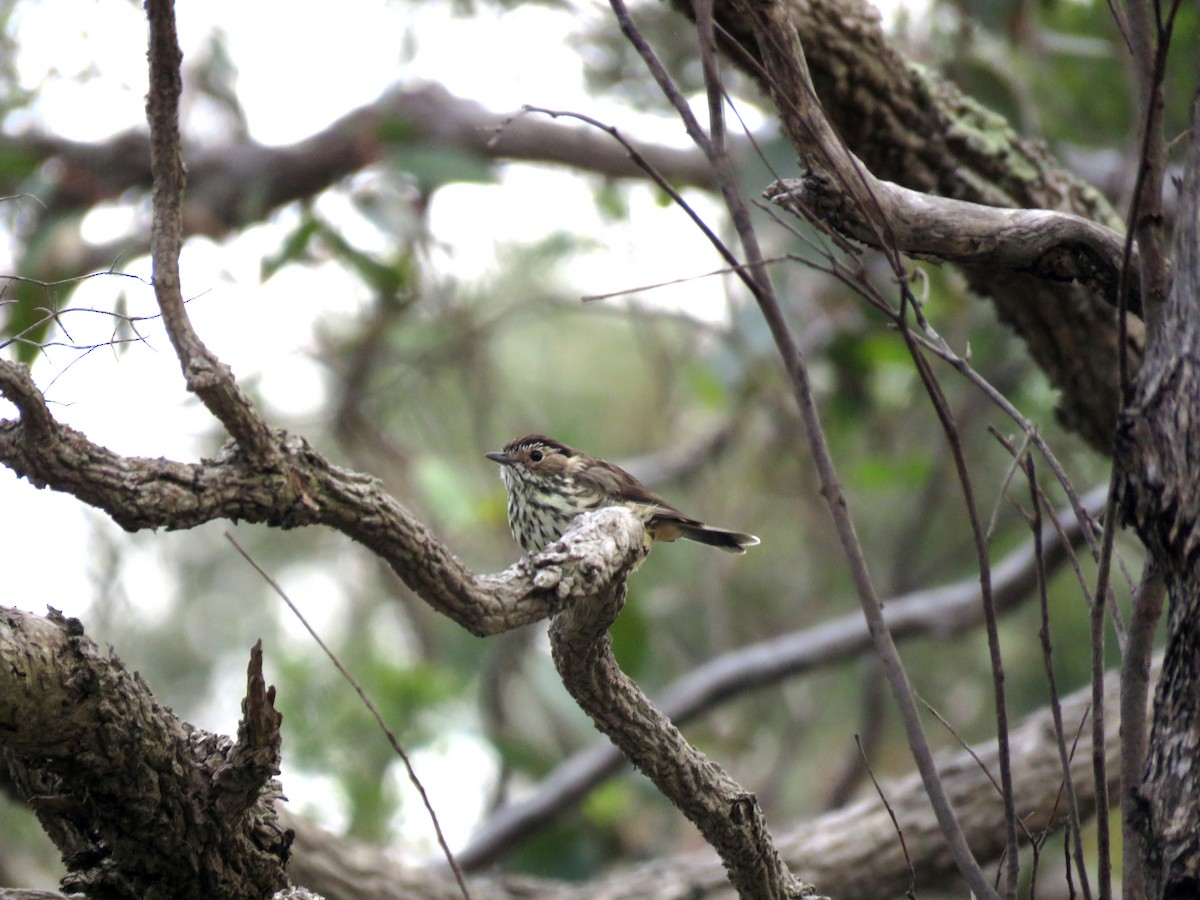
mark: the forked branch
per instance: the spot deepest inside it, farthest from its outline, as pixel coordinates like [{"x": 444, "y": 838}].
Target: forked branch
[{"x": 141, "y": 493}]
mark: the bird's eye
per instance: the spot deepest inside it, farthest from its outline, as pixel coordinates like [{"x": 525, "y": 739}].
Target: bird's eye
[{"x": 536, "y": 456}]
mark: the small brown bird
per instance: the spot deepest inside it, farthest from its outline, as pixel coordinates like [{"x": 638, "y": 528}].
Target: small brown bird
[{"x": 549, "y": 484}]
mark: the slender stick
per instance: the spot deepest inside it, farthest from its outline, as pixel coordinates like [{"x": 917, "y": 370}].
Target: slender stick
[
  {"x": 1074, "y": 831},
  {"x": 950, "y": 429},
  {"x": 371, "y": 708}
]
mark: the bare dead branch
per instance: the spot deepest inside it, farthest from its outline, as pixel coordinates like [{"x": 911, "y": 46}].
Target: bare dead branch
[
  {"x": 1099, "y": 711},
  {"x": 255, "y": 757},
  {"x": 366, "y": 701},
  {"x": 1146, "y": 608},
  {"x": 1149, "y": 40},
  {"x": 1074, "y": 825},
  {"x": 1056, "y": 246},
  {"x": 911, "y": 890},
  {"x": 950, "y": 429}
]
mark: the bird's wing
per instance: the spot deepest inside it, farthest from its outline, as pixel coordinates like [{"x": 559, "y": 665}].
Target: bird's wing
[{"x": 621, "y": 486}]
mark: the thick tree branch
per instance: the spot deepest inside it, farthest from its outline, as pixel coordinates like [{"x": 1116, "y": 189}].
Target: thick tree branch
[
  {"x": 236, "y": 184},
  {"x": 124, "y": 788},
  {"x": 728, "y": 816},
  {"x": 140, "y": 493},
  {"x": 1044, "y": 244}
]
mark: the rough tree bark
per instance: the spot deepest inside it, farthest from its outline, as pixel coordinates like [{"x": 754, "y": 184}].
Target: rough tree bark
[
  {"x": 1158, "y": 454},
  {"x": 139, "y": 803}
]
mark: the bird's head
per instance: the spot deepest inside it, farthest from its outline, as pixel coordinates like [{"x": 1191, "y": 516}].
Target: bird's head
[{"x": 536, "y": 454}]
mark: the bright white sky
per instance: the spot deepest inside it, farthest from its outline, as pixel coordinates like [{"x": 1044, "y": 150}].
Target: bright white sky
[{"x": 134, "y": 402}]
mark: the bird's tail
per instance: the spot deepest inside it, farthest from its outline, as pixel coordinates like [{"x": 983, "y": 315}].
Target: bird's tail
[{"x": 729, "y": 541}]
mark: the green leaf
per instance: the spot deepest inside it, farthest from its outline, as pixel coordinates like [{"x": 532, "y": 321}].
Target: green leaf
[
  {"x": 433, "y": 167},
  {"x": 295, "y": 247}
]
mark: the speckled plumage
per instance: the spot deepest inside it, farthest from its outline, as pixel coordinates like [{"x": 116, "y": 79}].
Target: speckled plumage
[{"x": 549, "y": 484}]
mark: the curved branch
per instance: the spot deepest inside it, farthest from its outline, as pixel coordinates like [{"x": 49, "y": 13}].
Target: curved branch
[
  {"x": 140, "y": 493},
  {"x": 1045, "y": 244},
  {"x": 210, "y": 379},
  {"x": 911, "y": 126},
  {"x": 728, "y": 816},
  {"x": 236, "y": 184}
]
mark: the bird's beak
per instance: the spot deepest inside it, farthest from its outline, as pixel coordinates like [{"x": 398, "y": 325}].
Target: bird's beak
[{"x": 503, "y": 458}]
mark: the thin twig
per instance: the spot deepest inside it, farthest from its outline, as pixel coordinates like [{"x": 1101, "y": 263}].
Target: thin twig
[
  {"x": 950, "y": 430},
  {"x": 1074, "y": 831},
  {"x": 936, "y": 345},
  {"x": 953, "y": 732},
  {"x": 911, "y": 890},
  {"x": 726, "y": 270},
  {"x": 1146, "y": 608},
  {"x": 736, "y": 266},
  {"x": 366, "y": 701}
]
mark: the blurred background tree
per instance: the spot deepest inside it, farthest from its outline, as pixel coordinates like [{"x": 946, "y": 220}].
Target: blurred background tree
[{"x": 406, "y": 292}]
